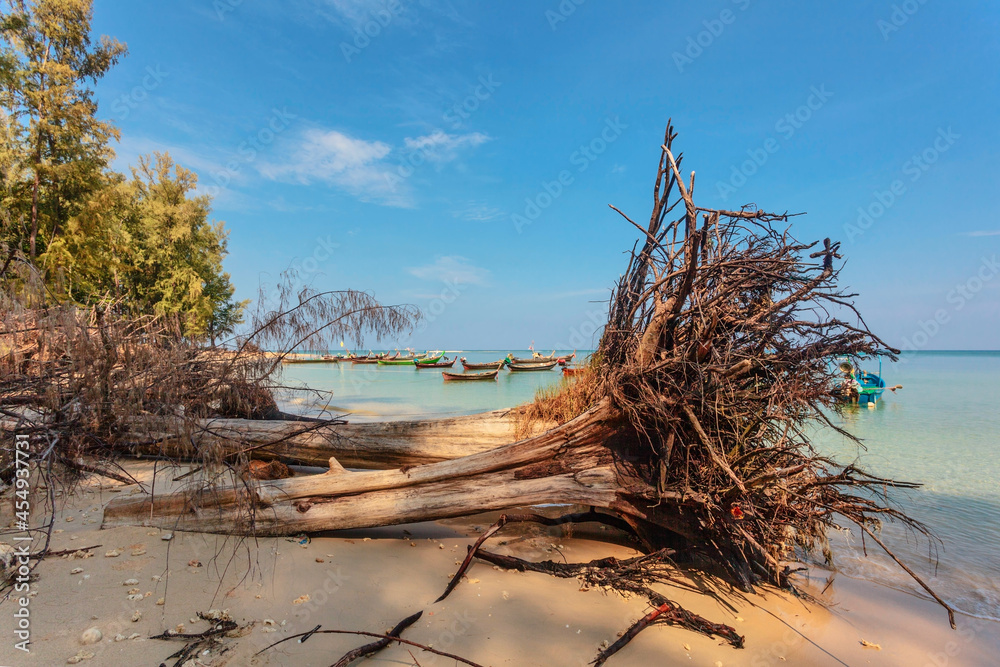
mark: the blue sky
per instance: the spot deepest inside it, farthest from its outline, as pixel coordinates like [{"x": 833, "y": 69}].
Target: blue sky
[{"x": 461, "y": 156}]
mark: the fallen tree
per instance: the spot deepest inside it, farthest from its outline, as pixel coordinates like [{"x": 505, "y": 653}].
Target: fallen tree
[
  {"x": 378, "y": 445},
  {"x": 690, "y": 427}
]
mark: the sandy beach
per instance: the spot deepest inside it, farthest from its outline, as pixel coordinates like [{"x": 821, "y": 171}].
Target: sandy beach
[{"x": 369, "y": 580}]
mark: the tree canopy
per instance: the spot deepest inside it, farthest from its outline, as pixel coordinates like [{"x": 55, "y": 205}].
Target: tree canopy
[{"x": 143, "y": 242}]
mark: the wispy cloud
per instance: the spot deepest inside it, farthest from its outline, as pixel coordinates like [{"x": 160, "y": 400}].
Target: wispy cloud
[
  {"x": 985, "y": 232},
  {"x": 439, "y": 146},
  {"x": 368, "y": 170},
  {"x": 477, "y": 212},
  {"x": 353, "y": 165},
  {"x": 453, "y": 269}
]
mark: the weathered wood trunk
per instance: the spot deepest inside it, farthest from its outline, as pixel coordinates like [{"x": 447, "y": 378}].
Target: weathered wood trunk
[
  {"x": 377, "y": 445},
  {"x": 569, "y": 464}
]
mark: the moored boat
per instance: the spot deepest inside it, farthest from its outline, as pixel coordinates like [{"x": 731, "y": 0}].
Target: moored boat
[
  {"x": 536, "y": 358},
  {"x": 859, "y": 386},
  {"x": 396, "y": 361},
  {"x": 435, "y": 364},
  {"x": 490, "y": 365},
  {"x": 470, "y": 377},
  {"x": 573, "y": 370},
  {"x": 524, "y": 367},
  {"x": 372, "y": 358}
]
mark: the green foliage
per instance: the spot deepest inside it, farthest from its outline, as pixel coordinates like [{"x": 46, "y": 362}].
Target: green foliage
[{"x": 145, "y": 244}]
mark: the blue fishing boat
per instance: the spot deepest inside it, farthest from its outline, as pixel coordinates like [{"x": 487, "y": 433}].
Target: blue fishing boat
[{"x": 859, "y": 386}]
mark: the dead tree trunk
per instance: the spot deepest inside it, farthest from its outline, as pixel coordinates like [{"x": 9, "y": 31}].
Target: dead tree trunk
[
  {"x": 569, "y": 464},
  {"x": 377, "y": 445}
]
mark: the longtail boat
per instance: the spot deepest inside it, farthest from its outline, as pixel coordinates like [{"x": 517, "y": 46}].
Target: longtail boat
[
  {"x": 860, "y": 386},
  {"x": 544, "y": 366},
  {"x": 486, "y": 375},
  {"x": 535, "y": 359},
  {"x": 573, "y": 370},
  {"x": 491, "y": 365},
  {"x": 372, "y": 358},
  {"x": 397, "y": 361},
  {"x": 435, "y": 364},
  {"x": 568, "y": 358}
]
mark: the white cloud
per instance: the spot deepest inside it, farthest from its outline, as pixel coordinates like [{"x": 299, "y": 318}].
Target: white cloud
[
  {"x": 453, "y": 269},
  {"x": 986, "y": 232},
  {"x": 354, "y": 165},
  {"x": 372, "y": 171},
  {"x": 440, "y": 146}
]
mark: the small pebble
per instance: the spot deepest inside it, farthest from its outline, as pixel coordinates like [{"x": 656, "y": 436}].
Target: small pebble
[
  {"x": 138, "y": 552},
  {"x": 91, "y": 636},
  {"x": 130, "y": 582},
  {"x": 301, "y": 599},
  {"x": 167, "y": 537},
  {"x": 76, "y": 570},
  {"x": 320, "y": 560},
  {"x": 114, "y": 553},
  {"x": 136, "y": 616},
  {"x": 161, "y": 602}
]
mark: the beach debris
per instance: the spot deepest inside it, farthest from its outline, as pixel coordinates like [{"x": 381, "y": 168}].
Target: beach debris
[
  {"x": 91, "y": 636},
  {"x": 79, "y": 657},
  {"x": 166, "y": 537},
  {"x": 76, "y": 570},
  {"x": 194, "y": 563},
  {"x": 138, "y": 552},
  {"x": 268, "y": 621},
  {"x": 135, "y": 597},
  {"x": 320, "y": 560},
  {"x": 215, "y": 615},
  {"x": 868, "y": 644},
  {"x": 114, "y": 553},
  {"x": 302, "y": 599},
  {"x": 161, "y": 601},
  {"x": 130, "y": 582},
  {"x": 136, "y": 616}
]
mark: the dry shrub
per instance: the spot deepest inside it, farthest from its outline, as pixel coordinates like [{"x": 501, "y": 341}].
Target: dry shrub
[{"x": 557, "y": 404}]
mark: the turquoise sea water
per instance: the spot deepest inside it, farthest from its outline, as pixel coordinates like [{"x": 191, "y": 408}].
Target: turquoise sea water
[{"x": 942, "y": 430}]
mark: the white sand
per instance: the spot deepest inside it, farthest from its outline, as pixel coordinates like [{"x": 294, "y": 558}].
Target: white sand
[{"x": 369, "y": 580}]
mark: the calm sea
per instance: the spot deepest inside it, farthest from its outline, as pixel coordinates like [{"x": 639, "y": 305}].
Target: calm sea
[{"x": 941, "y": 429}]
